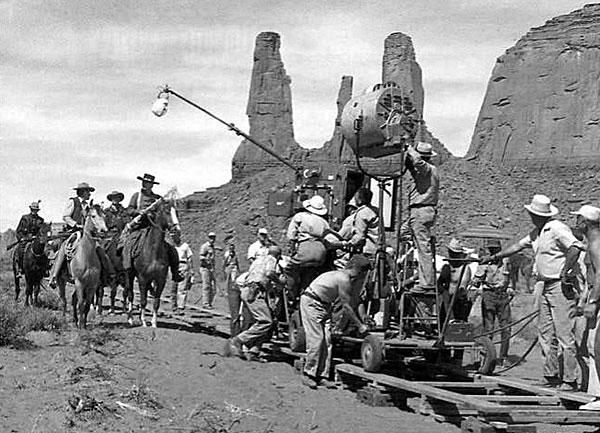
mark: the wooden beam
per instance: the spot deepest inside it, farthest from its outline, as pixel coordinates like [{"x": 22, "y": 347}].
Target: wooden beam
[
  {"x": 547, "y": 416},
  {"x": 430, "y": 391},
  {"x": 541, "y": 399}
]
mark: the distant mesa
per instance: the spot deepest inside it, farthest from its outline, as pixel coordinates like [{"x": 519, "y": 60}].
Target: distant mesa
[{"x": 543, "y": 99}]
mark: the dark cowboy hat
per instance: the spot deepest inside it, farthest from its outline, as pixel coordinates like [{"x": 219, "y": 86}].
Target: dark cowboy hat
[
  {"x": 84, "y": 185},
  {"x": 35, "y": 205},
  {"x": 116, "y": 195},
  {"x": 148, "y": 178}
]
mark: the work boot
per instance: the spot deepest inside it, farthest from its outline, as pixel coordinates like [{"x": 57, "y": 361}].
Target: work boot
[
  {"x": 328, "y": 384},
  {"x": 550, "y": 381},
  {"x": 569, "y": 387},
  {"x": 254, "y": 357},
  {"x": 235, "y": 347},
  {"x": 309, "y": 381}
]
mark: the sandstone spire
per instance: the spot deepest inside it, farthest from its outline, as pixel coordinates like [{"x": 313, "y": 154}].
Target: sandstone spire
[
  {"x": 269, "y": 109},
  {"x": 543, "y": 98}
]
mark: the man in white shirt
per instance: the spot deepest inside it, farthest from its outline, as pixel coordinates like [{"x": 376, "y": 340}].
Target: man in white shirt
[
  {"x": 261, "y": 246},
  {"x": 179, "y": 290}
]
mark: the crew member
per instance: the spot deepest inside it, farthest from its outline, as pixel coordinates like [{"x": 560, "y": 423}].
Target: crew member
[
  {"x": 261, "y": 246},
  {"x": 179, "y": 290},
  {"x": 316, "y": 305},
  {"x": 263, "y": 278},
  {"x": 422, "y": 203},
  {"x": 28, "y": 228},
  {"x": 305, "y": 234},
  {"x": 138, "y": 206},
  {"x": 556, "y": 251},
  {"x": 207, "y": 270},
  {"x": 231, "y": 270},
  {"x": 365, "y": 224},
  {"x": 115, "y": 214},
  {"x": 74, "y": 218},
  {"x": 588, "y": 222},
  {"x": 453, "y": 281},
  {"x": 493, "y": 279}
]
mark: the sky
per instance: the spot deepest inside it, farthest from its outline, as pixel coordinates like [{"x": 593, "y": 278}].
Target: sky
[{"x": 77, "y": 79}]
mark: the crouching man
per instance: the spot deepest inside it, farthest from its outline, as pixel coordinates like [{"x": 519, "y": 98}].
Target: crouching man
[
  {"x": 315, "y": 308},
  {"x": 263, "y": 277}
]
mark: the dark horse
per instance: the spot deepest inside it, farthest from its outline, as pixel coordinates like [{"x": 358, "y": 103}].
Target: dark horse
[
  {"x": 110, "y": 246},
  {"x": 151, "y": 264},
  {"x": 35, "y": 266}
]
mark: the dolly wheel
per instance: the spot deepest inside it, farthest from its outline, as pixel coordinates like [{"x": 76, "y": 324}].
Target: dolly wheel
[
  {"x": 486, "y": 353},
  {"x": 296, "y": 335},
  {"x": 372, "y": 353}
]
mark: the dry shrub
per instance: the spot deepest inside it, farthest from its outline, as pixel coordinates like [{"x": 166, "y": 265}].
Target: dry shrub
[{"x": 17, "y": 320}]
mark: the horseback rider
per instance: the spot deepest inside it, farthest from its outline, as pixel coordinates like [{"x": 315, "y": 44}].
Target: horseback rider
[
  {"x": 116, "y": 214},
  {"x": 74, "y": 218},
  {"x": 28, "y": 228},
  {"x": 138, "y": 206}
]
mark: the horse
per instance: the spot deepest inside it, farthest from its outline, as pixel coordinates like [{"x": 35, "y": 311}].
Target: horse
[
  {"x": 151, "y": 264},
  {"x": 121, "y": 277},
  {"x": 35, "y": 266}
]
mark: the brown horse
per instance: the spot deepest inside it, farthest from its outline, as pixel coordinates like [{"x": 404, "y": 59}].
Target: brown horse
[
  {"x": 151, "y": 265},
  {"x": 121, "y": 277},
  {"x": 85, "y": 266},
  {"x": 35, "y": 266}
]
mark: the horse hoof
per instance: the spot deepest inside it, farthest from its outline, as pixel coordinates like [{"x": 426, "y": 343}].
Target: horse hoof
[
  {"x": 144, "y": 325},
  {"x": 154, "y": 325},
  {"x": 130, "y": 322}
]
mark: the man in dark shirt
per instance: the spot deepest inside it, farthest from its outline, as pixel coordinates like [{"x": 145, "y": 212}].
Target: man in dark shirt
[{"x": 28, "y": 227}]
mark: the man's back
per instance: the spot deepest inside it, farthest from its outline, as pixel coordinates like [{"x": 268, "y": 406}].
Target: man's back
[{"x": 327, "y": 286}]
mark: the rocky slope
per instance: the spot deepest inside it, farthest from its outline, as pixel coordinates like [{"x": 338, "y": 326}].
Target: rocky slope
[{"x": 542, "y": 99}]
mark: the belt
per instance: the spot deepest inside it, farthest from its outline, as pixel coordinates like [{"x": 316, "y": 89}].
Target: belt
[
  {"x": 418, "y": 205},
  {"x": 311, "y": 295}
]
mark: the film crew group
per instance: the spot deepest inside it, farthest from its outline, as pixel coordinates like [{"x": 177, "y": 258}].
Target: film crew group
[{"x": 28, "y": 227}]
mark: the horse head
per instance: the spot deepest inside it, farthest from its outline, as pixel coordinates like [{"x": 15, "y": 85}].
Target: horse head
[
  {"x": 166, "y": 217},
  {"x": 95, "y": 222}
]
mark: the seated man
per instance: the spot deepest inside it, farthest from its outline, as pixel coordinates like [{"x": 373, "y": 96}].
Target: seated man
[
  {"x": 29, "y": 226},
  {"x": 263, "y": 277},
  {"x": 74, "y": 218},
  {"x": 453, "y": 281}
]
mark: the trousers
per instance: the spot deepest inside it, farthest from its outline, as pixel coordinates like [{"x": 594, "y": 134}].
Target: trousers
[
  {"x": 555, "y": 328},
  {"x": 260, "y": 331},
  {"x": 208, "y": 285},
  {"x": 179, "y": 291},
  {"x": 495, "y": 312},
  {"x": 419, "y": 224},
  {"x": 316, "y": 321}
]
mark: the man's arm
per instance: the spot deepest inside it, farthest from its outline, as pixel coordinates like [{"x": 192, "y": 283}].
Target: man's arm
[
  {"x": 344, "y": 294},
  {"x": 67, "y": 214},
  {"x": 571, "y": 259},
  {"x": 508, "y": 251},
  {"x": 22, "y": 228},
  {"x": 292, "y": 231}
]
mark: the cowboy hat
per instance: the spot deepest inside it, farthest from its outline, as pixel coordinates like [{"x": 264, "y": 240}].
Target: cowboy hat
[
  {"x": 212, "y": 235},
  {"x": 456, "y": 246},
  {"x": 316, "y": 205},
  {"x": 84, "y": 185},
  {"x": 540, "y": 205},
  {"x": 263, "y": 231},
  {"x": 590, "y": 213},
  {"x": 148, "y": 178},
  {"x": 116, "y": 195},
  {"x": 425, "y": 149},
  {"x": 35, "y": 205}
]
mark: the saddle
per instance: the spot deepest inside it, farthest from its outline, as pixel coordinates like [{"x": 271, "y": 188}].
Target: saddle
[{"x": 133, "y": 246}]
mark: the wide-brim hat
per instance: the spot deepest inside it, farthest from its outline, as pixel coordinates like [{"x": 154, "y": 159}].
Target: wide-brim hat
[
  {"x": 588, "y": 212},
  {"x": 35, "y": 205},
  {"x": 456, "y": 246},
  {"x": 84, "y": 185},
  {"x": 212, "y": 235},
  {"x": 116, "y": 195},
  {"x": 263, "y": 231},
  {"x": 316, "y": 205},
  {"x": 540, "y": 205},
  {"x": 425, "y": 149},
  {"x": 148, "y": 178}
]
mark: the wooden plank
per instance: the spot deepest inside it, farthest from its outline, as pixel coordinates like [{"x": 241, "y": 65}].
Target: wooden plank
[
  {"x": 467, "y": 385},
  {"x": 545, "y": 399},
  {"x": 429, "y": 391},
  {"x": 547, "y": 416},
  {"x": 539, "y": 390}
]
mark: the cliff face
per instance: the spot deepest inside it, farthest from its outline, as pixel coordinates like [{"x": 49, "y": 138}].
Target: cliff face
[
  {"x": 543, "y": 98},
  {"x": 269, "y": 110}
]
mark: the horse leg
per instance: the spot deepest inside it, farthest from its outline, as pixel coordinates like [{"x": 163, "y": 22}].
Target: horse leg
[
  {"x": 113, "y": 293},
  {"x": 36, "y": 294},
  {"x": 75, "y": 303},
  {"x": 159, "y": 286},
  {"x": 143, "y": 300},
  {"x": 128, "y": 296},
  {"x": 83, "y": 304},
  {"x": 99, "y": 297},
  {"x": 62, "y": 293},
  {"x": 17, "y": 287},
  {"x": 28, "y": 292}
]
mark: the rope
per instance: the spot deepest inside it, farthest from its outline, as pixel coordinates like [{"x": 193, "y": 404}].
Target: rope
[
  {"x": 521, "y": 359},
  {"x": 510, "y": 325}
]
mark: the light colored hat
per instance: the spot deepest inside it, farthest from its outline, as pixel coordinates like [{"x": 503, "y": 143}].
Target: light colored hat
[
  {"x": 116, "y": 195},
  {"x": 316, "y": 205},
  {"x": 590, "y": 213},
  {"x": 212, "y": 235},
  {"x": 456, "y": 246},
  {"x": 263, "y": 231},
  {"x": 84, "y": 185},
  {"x": 35, "y": 205},
  {"x": 425, "y": 149},
  {"x": 540, "y": 205}
]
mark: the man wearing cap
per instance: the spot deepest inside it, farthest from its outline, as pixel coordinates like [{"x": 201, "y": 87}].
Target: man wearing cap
[
  {"x": 316, "y": 304},
  {"x": 422, "y": 202},
  {"x": 261, "y": 246},
  {"x": 74, "y": 217},
  {"x": 305, "y": 234},
  {"x": 588, "y": 223},
  {"x": 263, "y": 277},
  {"x": 138, "y": 205},
  {"x": 365, "y": 224},
  {"x": 493, "y": 279},
  {"x": 179, "y": 290},
  {"x": 29, "y": 226},
  {"x": 207, "y": 270},
  {"x": 556, "y": 251}
]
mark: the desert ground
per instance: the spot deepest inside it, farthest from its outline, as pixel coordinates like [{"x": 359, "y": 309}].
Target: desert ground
[{"x": 117, "y": 378}]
